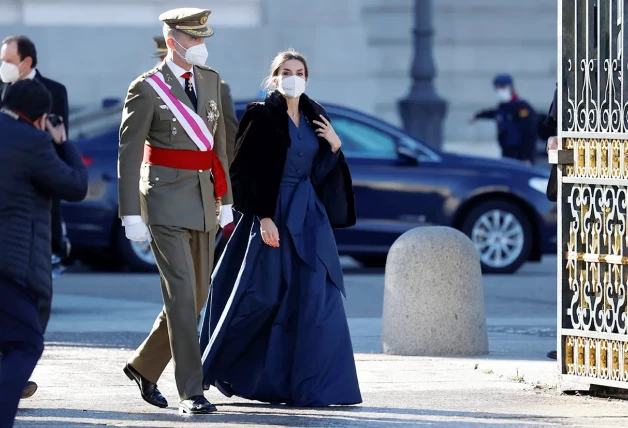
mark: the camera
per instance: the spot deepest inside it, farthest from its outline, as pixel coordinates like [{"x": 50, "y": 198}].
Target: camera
[{"x": 55, "y": 120}]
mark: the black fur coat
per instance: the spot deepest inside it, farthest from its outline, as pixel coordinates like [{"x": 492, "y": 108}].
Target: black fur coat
[{"x": 262, "y": 143}]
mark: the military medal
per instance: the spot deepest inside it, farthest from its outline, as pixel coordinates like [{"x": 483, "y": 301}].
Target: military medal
[
  {"x": 212, "y": 115},
  {"x": 190, "y": 87}
]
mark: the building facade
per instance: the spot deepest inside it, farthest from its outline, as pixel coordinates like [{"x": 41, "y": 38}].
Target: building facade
[{"x": 359, "y": 51}]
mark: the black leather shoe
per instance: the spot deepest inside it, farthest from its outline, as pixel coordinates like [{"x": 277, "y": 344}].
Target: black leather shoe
[
  {"x": 552, "y": 355},
  {"x": 29, "y": 389},
  {"x": 197, "y": 405},
  {"x": 149, "y": 390}
]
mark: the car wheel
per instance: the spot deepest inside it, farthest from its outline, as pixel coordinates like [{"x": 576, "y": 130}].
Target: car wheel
[
  {"x": 371, "y": 260},
  {"x": 502, "y": 234},
  {"x": 136, "y": 255}
]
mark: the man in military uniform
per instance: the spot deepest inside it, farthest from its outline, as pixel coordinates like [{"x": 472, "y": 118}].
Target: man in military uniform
[
  {"x": 177, "y": 202},
  {"x": 162, "y": 48},
  {"x": 228, "y": 109},
  {"x": 516, "y": 121}
]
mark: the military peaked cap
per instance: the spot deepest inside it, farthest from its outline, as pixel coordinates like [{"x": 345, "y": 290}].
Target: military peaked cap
[
  {"x": 190, "y": 21},
  {"x": 162, "y": 48}
]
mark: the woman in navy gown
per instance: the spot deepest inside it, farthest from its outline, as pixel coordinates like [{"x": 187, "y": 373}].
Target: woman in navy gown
[{"x": 274, "y": 328}]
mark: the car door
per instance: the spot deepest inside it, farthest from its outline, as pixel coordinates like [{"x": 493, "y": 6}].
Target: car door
[{"x": 384, "y": 185}]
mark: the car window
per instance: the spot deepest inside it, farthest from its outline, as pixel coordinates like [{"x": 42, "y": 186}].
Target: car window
[{"x": 361, "y": 140}]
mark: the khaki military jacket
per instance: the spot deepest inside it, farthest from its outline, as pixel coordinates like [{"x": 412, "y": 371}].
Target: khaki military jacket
[
  {"x": 231, "y": 121},
  {"x": 162, "y": 195}
]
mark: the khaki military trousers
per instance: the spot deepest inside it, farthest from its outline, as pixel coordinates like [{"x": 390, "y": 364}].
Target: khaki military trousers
[{"x": 185, "y": 259}]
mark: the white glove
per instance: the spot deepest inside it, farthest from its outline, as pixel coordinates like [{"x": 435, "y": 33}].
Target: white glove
[
  {"x": 135, "y": 229},
  {"x": 226, "y": 215}
]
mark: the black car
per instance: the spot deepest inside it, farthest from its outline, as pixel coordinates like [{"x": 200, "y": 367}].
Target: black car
[{"x": 400, "y": 183}]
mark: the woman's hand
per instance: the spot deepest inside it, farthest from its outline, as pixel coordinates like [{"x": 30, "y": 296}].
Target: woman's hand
[
  {"x": 327, "y": 132},
  {"x": 270, "y": 234}
]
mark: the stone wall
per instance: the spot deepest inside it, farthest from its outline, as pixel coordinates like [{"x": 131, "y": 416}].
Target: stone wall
[{"x": 360, "y": 51}]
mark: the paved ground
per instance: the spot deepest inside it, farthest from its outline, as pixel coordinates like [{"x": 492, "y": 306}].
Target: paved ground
[{"x": 99, "y": 317}]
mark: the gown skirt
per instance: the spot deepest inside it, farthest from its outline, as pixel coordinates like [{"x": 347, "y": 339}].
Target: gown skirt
[{"x": 274, "y": 328}]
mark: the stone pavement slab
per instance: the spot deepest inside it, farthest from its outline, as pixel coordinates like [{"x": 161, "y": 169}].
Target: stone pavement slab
[
  {"x": 83, "y": 386},
  {"x": 98, "y": 319}
]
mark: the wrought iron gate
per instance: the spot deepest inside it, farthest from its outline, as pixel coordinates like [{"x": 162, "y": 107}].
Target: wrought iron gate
[{"x": 593, "y": 193}]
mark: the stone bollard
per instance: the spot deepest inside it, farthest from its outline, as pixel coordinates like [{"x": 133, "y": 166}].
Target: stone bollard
[{"x": 433, "y": 297}]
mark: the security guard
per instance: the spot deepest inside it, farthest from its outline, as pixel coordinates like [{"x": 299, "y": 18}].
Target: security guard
[
  {"x": 516, "y": 121},
  {"x": 172, "y": 186},
  {"x": 229, "y": 114}
]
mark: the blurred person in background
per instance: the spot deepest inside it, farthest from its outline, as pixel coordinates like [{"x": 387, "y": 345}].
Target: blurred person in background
[
  {"x": 517, "y": 127},
  {"x": 274, "y": 328},
  {"x": 162, "y": 49},
  {"x": 19, "y": 61},
  {"x": 32, "y": 173}
]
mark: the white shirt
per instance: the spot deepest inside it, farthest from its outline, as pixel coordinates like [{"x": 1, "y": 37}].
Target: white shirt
[
  {"x": 32, "y": 74},
  {"x": 178, "y": 71}
]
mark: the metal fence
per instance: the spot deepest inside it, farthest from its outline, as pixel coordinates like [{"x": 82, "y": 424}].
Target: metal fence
[{"x": 593, "y": 193}]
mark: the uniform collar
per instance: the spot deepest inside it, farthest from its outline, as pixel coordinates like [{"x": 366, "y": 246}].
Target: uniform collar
[{"x": 176, "y": 70}]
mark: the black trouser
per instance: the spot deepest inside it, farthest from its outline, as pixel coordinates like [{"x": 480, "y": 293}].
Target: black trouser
[{"x": 21, "y": 345}]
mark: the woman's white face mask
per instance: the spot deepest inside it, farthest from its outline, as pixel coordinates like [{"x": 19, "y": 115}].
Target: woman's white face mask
[{"x": 291, "y": 86}]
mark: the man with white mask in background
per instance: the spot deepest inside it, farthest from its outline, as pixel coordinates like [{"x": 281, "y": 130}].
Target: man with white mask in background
[
  {"x": 516, "y": 121},
  {"x": 174, "y": 192}
]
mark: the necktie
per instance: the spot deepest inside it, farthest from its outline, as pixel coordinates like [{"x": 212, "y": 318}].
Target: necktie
[{"x": 189, "y": 89}]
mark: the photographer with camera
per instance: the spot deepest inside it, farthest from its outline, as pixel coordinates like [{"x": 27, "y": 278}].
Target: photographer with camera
[
  {"x": 19, "y": 61},
  {"x": 31, "y": 175}
]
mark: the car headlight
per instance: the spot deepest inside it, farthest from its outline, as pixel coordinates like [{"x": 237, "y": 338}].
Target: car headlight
[{"x": 538, "y": 183}]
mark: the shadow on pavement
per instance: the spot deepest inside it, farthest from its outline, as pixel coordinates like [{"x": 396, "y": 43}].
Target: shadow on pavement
[{"x": 260, "y": 414}]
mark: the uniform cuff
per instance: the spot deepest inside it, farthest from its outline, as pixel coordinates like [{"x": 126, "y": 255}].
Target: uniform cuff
[{"x": 130, "y": 220}]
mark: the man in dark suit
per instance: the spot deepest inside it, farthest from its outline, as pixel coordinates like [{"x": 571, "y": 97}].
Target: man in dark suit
[
  {"x": 549, "y": 131},
  {"x": 19, "y": 62},
  {"x": 32, "y": 172}
]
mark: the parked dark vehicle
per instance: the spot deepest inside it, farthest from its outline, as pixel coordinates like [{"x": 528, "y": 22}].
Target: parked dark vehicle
[{"x": 399, "y": 182}]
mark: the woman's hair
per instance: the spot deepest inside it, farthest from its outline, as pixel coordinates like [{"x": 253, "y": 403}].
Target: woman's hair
[{"x": 275, "y": 66}]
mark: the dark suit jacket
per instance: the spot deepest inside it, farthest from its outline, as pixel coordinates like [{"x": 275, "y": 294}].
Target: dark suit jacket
[
  {"x": 550, "y": 130},
  {"x": 60, "y": 108},
  {"x": 59, "y": 96}
]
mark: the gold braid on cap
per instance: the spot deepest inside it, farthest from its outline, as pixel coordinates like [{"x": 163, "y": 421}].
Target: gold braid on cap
[{"x": 189, "y": 27}]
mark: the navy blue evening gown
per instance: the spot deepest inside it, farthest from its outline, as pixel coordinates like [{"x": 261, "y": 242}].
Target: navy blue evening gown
[{"x": 274, "y": 328}]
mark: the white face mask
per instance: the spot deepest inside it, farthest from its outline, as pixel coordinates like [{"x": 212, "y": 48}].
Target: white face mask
[
  {"x": 196, "y": 55},
  {"x": 9, "y": 73},
  {"x": 291, "y": 86},
  {"x": 503, "y": 94}
]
